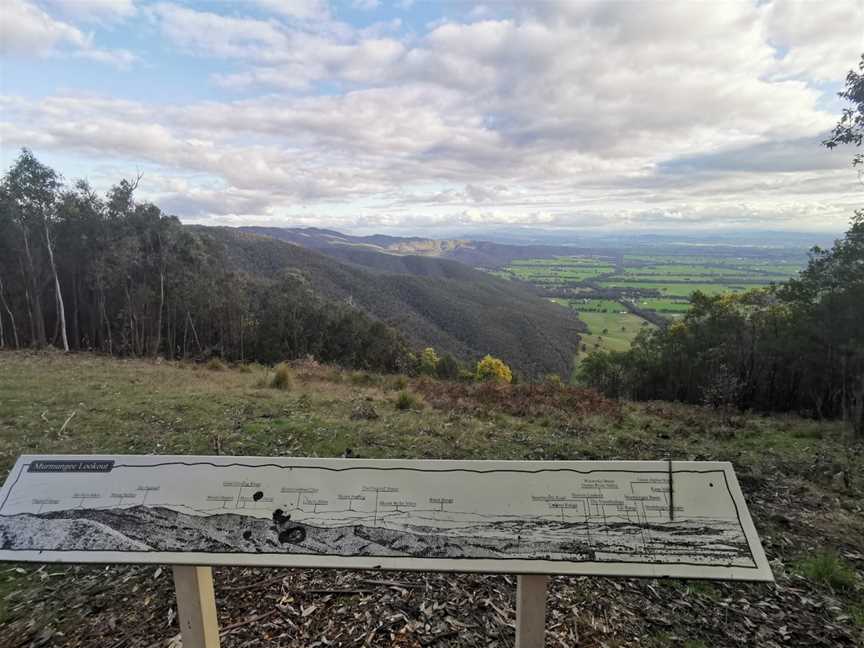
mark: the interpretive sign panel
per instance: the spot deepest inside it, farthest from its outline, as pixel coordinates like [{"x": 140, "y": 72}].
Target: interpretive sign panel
[{"x": 622, "y": 518}]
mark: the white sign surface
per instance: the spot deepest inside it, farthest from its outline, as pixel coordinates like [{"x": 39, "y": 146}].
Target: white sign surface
[{"x": 623, "y": 518}]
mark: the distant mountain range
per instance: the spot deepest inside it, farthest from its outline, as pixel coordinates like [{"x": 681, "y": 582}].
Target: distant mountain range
[
  {"x": 471, "y": 252},
  {"x": 432, "y": 301}
]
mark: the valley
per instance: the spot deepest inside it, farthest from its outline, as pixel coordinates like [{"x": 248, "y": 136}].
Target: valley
[{"x": 621, "y": 292}]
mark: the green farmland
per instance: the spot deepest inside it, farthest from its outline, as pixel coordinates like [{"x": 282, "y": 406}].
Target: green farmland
[{"x": 616, "y": 294}]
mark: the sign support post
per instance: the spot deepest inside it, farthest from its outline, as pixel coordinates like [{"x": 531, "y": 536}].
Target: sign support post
[
  {"x": 531, "y": 611},
  {"x": 196, "y": 606}
]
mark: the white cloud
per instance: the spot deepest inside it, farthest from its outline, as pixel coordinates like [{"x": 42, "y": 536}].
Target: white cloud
[
  {"x": 213, "y": 34},
  {"x": 820, "y": 41},
  {"x": 301, "y": 9},
  {"x": 28, "y": 31},
  {"x": 563, "y": 114}
]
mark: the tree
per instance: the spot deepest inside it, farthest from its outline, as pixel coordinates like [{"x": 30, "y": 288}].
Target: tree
[
  {"x": 850, "y": 128},
  {"x": 27, "y": 196},
  {"x": 490, "y": 368}
]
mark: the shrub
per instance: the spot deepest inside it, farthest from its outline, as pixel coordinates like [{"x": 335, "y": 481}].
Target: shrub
[
  {"x": 828, "y": 569},
  {"x": 281, "y": 377},
  {"x": 490, "y": 368},
  {"x": 216, "y": 364},
  {"x": 553, "y": 379},
  {"x": 448, "y": 368},
  {"x": 428, "y": 362},
  {"x": 466, "y": 376},
  {"x": 408, "y": 401}
]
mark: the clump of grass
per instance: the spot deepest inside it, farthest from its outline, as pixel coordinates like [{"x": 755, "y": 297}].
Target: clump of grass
[
  {"x": 827, "y": 568},
  {"x": 216, "y": 364},
  {"x": 362, "y": 378},
  {"x": 281, "y": 377},
  {"x": 396, "y": 383},
  {"x": 250, "y": 367},
  {"x": 856, "y": 612},
  {"x": 408, "y": 401}
]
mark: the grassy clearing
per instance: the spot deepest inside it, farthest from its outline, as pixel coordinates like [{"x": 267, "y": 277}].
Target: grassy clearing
[
  {"x": 135, "y": 406},
  {"x": 611, "y": 327},
  {"x": 610, "y": 331}
]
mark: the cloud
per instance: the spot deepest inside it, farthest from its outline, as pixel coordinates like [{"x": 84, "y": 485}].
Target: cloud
[
  {"x": 560, "y": 114},
  {"x": 802, "y": 154},
  {"x": 300, "y": 9},
  {"x": 28, "y": 31},
  {"x": 821, "y": 44},
  {"x": 213, "y": 34}
]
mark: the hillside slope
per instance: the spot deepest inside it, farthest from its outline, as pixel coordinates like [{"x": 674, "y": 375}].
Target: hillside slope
[{"x": 446, "y": 305}]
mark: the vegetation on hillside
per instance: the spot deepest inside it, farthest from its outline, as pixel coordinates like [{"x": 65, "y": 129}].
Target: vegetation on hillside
[{"x": 432, "y": 302}]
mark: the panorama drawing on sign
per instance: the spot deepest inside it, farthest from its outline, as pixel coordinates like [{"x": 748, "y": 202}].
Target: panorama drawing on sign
[{"x": 685, "y": 519}]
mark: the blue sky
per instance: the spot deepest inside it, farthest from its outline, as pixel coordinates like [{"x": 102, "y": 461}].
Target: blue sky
[{"x": 392, "y": 115}]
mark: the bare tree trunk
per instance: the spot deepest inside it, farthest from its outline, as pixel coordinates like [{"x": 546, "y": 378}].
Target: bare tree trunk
[
  {"x": 104, "y": 314},
  {"x": 194, "y": 332},
  {"x": 76, "y": 322},
  {"x": 61, "y": 311},
  {"x": 133, "y": 326},
  {"x": 159, "y": 317},
  {"x": 185, "y": 335},
  {"x": 34, "y": 299}
]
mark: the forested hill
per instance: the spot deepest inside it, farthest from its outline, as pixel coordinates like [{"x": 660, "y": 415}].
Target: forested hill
[
  {"x": 83, "y": 272},
  {"x": 432, "y": 302}
]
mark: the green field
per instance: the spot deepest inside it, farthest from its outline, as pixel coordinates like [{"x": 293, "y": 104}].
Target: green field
[
  {"x": 593, "y": 285},
  {"x": 674, "y": 307},
  {"x": 610, "y": 326}
]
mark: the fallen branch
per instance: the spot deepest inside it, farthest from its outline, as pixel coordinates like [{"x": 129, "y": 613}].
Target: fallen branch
[
  {"x": 392, "y": 584},
  {"x": 71, "y": 416},
  {"x": 240, "y": 624}
]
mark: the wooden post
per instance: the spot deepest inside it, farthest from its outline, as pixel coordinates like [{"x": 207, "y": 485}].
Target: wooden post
[
  {"x": 531, "y": 611},
  {"x": 196, "y": 606}
]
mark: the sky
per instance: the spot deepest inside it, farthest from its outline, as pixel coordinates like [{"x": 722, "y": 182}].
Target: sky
[{"x": 438, "y": 117}]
